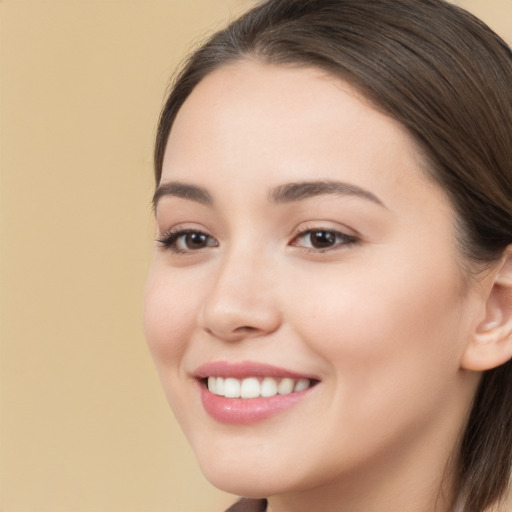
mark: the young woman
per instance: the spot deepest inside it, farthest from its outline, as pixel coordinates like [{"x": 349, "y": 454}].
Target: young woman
[{"x": 330, "y": 301}]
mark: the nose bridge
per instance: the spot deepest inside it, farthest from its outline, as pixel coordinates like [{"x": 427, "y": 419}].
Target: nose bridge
[{"x": 241, "y": 302}]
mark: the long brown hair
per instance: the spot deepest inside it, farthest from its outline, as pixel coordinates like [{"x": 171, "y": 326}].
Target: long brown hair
[{"x": 445, "y": 76}]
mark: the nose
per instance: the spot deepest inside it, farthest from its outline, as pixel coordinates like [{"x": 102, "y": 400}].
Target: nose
[{"x": 241, "y": 303}]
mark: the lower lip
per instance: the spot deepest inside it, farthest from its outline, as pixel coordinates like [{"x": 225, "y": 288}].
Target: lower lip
[{"x": 244, "y": 411}]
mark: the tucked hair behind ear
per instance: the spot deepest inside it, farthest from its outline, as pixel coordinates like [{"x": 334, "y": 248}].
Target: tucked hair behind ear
[{"x": 447, "y": 78}]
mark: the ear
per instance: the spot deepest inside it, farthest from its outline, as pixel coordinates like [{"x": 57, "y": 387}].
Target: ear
[{"x": 491, "y": 342}]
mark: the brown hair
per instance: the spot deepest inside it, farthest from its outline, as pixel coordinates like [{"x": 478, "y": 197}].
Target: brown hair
[{"x": 445, "y": 76}]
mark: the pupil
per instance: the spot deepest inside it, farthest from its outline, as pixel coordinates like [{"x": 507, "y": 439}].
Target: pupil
[
  {"x": 196, "y": 240},
  {"x": 322, "y": 239}
]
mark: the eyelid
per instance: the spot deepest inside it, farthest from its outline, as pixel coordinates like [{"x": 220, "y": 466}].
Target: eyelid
[
  {"x": 169, "y": 239},
  {"x": 345, "y": 239},
  {"x": 325, "y": 225}
]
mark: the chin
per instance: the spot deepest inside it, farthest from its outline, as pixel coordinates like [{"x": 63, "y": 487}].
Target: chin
[
  {"x": 251, "y": 476},
  {"x": 247, "y": 483},
  {"x": 245, "y": 479}
]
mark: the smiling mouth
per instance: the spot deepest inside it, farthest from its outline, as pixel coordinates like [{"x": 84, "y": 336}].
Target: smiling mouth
[
  {"x": 247, "y": 392},
  {"x": 256, "y": 387}
]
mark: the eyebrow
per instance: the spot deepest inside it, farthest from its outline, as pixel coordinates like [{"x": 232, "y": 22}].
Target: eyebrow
[
  {"x": 286, "y": 193},
  {"x": 303, "y": 190},
  {"x": 183, "y": 190}
]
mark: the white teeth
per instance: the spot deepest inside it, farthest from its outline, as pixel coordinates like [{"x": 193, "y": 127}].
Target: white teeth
[
  {"x": 268, "y": 387},
  {"x": 219, "y": 386},
  {"x": 231, "y": 388},
  {"x": 253, "y": 387},
  {"x": 285, "y": 386},
  {"x": 301, "y": 385},
  {"x": 250, "y": 388}
]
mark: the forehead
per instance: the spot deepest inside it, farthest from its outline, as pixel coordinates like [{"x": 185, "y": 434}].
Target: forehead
[
  {"x": 255, "y": 120},
  {"x": 252, "y": 94}
]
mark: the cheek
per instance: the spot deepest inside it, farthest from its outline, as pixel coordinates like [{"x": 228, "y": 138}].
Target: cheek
[
  {"x": 389, "y": 346},
  {"x": 168, "y": 317},
  {"x": 388, "y": 335}
]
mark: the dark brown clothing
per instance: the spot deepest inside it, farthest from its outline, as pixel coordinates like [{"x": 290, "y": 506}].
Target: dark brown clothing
[{"x": 248, "y": 505}]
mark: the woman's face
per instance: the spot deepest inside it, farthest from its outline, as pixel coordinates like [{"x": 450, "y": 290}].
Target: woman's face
[{"x": 303, "y": 248}]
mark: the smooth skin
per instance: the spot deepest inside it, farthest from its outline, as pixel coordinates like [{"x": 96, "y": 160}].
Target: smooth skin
[{"x": 362, "y": 286}]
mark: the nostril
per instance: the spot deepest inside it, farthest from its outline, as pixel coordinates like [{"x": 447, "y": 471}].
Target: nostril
[
  {"x": 236, "y": 333},
  {"x": 245, "y": 329},
  {"x": 230, "y": 320}
]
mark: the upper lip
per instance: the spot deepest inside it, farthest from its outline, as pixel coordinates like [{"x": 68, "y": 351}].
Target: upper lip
[{"x": 244, "y": 369}]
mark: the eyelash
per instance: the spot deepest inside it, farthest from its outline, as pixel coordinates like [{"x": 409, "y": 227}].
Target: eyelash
[
  {"x": 342, "y": 240},
  {"x": 169, "y": 241}
]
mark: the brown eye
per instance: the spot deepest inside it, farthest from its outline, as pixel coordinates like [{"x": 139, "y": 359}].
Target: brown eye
[
  {"x": 184, "y": 241},
  {"x": 322, "y": 240},
  {"x": 195, "y": 240}
]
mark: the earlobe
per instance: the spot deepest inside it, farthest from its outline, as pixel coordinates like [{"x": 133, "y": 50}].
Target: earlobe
[{"x": 491, "y": 342}]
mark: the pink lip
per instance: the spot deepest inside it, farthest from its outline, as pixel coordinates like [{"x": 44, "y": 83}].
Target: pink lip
[
  {"x": 240, "y": 411},
  {"x": 246, "y": 369}
]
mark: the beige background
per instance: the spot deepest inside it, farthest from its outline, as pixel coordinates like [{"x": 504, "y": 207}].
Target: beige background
[{"x": 84, "y": 425}]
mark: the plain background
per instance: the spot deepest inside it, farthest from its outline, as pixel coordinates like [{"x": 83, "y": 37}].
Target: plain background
[{"x": 84, "y": 425}]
